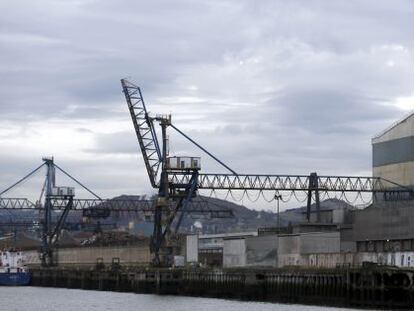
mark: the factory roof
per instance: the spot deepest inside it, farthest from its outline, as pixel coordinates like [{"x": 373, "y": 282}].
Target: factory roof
[{"x": 392, "y": 126}]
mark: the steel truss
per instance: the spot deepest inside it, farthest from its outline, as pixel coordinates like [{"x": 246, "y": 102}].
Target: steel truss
[
  {"x": 17, "y": 203},
  {"x": 114, "y": 205},
  {"x": 144, "y": 129},
  {"x": 285, "y": 182},
  {"x": 310, "y": 184}
]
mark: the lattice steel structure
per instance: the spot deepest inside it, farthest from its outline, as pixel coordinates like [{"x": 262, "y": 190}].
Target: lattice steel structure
[
  {"x": 285, "y": 182},
  {"x": 144, "y": 129},
  {"x": 112, "y": 205}
]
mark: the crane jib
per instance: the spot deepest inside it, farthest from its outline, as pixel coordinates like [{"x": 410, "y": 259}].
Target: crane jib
[{"x": 144, "y": 129}]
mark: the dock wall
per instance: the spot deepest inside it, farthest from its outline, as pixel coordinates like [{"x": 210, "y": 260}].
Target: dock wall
[{"x": 370, "y": 287}]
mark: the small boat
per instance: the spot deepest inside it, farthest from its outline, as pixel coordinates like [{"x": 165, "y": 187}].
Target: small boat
[{"x": 12, "y": 269}]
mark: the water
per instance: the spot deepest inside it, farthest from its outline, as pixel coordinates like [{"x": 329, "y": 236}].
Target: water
[{"x": 57, "y": 299}]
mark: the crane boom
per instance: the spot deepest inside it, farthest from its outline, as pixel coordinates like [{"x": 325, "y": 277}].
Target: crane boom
[
  {"x": 284, "y": 182},
  {"x": 144, "y": 129}
]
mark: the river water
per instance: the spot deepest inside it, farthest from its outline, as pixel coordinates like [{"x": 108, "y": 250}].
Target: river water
[{"x": 57, "y": 299}]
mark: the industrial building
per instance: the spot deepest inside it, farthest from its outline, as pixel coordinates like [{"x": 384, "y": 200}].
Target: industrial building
[
  {"x": 393, "y": 152},
  {"x": 384, "y": 232},
  {"x": 212, "y": 246}
]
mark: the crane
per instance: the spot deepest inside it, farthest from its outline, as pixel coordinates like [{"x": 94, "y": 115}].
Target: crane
[
  {"x": 62, "y": 199},
  {"x": 178, "y": 178}
]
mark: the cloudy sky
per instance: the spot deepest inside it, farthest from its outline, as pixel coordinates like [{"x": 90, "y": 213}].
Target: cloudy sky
[{"x": 268, "y": 86}]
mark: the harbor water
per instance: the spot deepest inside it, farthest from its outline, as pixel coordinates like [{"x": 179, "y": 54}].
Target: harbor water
[{"x": 57, "y": 299}]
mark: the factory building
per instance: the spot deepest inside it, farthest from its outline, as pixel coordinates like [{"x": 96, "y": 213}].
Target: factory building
[
  {"x": 393, "y": 152},
  {"x": 211, "y": 247},
  {"x": 383, "y": 232},
  {"x": 317, "y": 249}
]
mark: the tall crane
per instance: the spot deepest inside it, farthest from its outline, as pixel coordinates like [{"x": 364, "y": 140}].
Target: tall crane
[
  {"x": 49, "y": 193},
  {"x": 178, "y": 178}
]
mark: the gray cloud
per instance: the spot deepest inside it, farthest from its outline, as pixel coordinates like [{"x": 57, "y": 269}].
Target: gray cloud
[
  {"x": 268, "y": 86},
  {"x": 116, "y": 143}
]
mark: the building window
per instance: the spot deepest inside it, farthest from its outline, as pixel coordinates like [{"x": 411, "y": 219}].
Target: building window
[
  {"x": 371, "y": 246},
  {"x": 402, "y": 260},
  {"x": 387, "y": 246},
  {"x": 361, "y": 246},
  {"x": 406, "y": 245},
  {"x": 379, "y": 246}
]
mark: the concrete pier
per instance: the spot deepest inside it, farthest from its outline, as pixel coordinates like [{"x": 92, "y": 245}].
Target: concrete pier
[{"x": 367, "y": 287}]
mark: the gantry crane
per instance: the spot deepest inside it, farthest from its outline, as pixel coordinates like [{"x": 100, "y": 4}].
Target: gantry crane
[
  {"x": 52, "y": 198},
  {"x": 57, "y": 198},
  {"x": 178, "y": 178}
]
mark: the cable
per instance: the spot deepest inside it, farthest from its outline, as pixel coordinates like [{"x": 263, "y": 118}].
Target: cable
[
  {"x": 288, "y": 199},
  {"x": 267, "y": 200},
  {"x": 252, "y": 200},
  {"x": 78, "y": 182},
  {"x": 21, "y": 180},
  {"x": 300, "y": 201},
  {"x": 235, "y": 199},
  {"x": 215, "y": 158}
]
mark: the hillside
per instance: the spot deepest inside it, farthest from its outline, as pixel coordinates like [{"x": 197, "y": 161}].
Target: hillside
[{"x": 249, "y": 220}]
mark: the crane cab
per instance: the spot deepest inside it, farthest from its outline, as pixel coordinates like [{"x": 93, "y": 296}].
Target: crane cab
[
  {"x": 183, "y": 163},
  {"x": 63, "y": 192}
]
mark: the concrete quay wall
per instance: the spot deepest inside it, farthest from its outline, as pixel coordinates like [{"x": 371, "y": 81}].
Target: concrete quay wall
[{"x": 370, "y": 286}]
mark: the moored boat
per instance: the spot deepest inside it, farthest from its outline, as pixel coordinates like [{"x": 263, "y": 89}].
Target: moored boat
[{"x": 12, "y": 269}]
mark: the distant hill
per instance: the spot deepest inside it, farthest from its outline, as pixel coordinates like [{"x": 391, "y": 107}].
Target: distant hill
[{"x": 250, "y": 220}]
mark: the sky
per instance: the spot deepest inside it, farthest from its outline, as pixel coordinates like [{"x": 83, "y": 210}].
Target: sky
[{"x": 281, "y": 87}]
